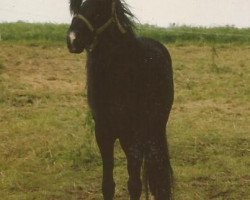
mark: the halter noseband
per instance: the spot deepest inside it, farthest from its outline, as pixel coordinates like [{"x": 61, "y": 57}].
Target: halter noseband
[{"x": 98, "y": 31}]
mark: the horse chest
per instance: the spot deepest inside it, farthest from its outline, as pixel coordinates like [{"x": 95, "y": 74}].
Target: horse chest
[{"x": 110, "y": 89}]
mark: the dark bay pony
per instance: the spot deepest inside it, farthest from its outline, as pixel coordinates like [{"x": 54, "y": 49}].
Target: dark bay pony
[{"x": 130, "y": 93}]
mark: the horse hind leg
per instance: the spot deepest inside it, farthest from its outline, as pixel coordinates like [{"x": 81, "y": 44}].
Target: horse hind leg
[
  {"x": 134, "y": 162},
  {"x": 134, "y": 182}
]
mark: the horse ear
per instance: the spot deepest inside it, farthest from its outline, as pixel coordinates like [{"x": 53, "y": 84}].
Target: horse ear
[{"x": 75, "y": 6}]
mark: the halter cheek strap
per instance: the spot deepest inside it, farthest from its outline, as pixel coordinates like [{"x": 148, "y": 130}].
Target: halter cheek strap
[
  {"x": 89, "y": 25},
  {"x": 97, "y": 32}
]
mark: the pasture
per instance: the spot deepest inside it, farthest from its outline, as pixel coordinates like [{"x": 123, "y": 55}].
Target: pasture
[{"x": 47, "y": 145}]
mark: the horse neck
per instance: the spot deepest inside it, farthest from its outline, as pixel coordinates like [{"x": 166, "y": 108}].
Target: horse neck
[{"x": 112, "y": 41}]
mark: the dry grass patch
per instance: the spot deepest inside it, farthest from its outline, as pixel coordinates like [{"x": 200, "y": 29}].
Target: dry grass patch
[{"x": 47, "y": 148}]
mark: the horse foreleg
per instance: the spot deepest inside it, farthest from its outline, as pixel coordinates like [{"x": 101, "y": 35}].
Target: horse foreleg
[{"x": 106, "y": 146}]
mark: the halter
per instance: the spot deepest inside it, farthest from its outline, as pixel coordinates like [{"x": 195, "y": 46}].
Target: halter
[{"x": 98, "y": 31}]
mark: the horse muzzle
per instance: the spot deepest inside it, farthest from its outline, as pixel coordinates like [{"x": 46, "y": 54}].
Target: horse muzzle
[{"x": 73, "y": 44}]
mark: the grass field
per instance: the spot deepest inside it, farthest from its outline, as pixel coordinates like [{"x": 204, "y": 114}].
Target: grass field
[
  {"x": 47, "y": 146},
  {"x": 50, "y": 33}
]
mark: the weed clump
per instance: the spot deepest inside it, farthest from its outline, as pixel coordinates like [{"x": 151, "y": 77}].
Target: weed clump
[
  {"x": 87, "y": 153},
  {"x": 2, "y": 66}
]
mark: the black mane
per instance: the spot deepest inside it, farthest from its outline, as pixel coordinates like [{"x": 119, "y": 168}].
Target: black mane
[
  {"x": 123, "y": 12},
  {"x": 75, "y": 6},
  {"x": 125, "y": 16}
]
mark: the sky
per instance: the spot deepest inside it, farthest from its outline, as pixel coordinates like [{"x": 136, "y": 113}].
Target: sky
[{"x": 156, "y": 12}]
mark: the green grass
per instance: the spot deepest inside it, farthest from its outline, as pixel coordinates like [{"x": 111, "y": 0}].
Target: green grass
[
  {"x": 196, "y": 34},
  {"x": 48, "y": 150},
  {"x": 23, "y": 32},
  {"x": 52, "y": 33}
]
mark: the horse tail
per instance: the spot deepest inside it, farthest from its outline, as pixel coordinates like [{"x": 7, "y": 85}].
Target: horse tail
[{"x": 158, "y": 171}]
